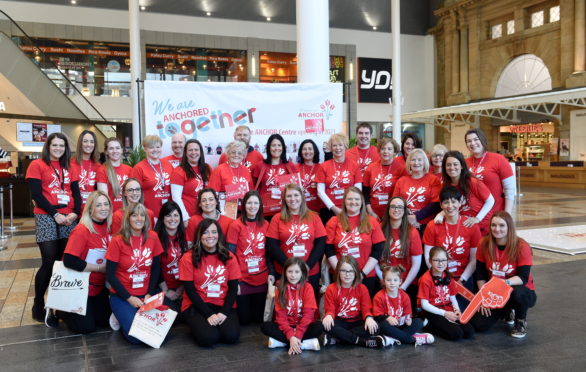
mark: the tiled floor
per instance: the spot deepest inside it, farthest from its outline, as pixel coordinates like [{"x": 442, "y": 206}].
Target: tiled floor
[{"x": 553, "y": 321}]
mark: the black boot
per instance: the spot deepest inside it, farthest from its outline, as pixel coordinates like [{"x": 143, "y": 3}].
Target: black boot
[{"x": 39, "y": 310}]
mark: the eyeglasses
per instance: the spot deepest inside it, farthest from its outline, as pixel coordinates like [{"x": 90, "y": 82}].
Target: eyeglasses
[
  {"x": 440, "y": 261},
  {"x": 437, "y": 155},
  {"x": 397, "y": 207},
  {"x": 347, "y": 272},
  {"x": 130, "y": 191}
]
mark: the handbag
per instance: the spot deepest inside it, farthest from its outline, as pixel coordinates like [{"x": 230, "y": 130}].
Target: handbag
[
  {"x": 68, "y": 290},
  {"x": 152, "y": 326}
]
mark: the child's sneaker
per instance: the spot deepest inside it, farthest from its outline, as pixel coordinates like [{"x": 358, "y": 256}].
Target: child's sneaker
[
  {"x": 310, "y": 344},
  {"x": 389, "y": 341},
  {"x": 274, "y": 343},
  {"x": 114, "y": 322},
  {"x": 423, "y": 339},
  {"x": 329, "y": 340},
  {"x": 510, "y": 317},
  {"x": 374, "y": 342},
  {"x": 519, "y": 329}
]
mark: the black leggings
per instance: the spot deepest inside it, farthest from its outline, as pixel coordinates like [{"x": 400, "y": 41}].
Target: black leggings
[
  {"x": 402, "y": 333},
  {"x": 372, "y": 284},
  {"x": 51, "y": 251},
  {"x": 97, "y": 314},
  {"x": 440, "y": 326},
  {"x": 271, "y": 329},
  {"x": 251, "y": 307},
  {"x": 348, "y": 332},
  {"x": 206, "y": 335},
  {"x": 522, "y": 298}
]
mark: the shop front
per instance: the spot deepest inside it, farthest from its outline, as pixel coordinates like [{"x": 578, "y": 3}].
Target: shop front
[{"x": 529, "y": 142}]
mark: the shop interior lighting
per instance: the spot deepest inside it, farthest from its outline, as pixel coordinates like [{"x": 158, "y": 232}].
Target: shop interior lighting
[
  {"x": 268, "y": 19},
  {"x": 209, "y": 14},
  {"x": 374, "y": 28},
  {"x": 73, "y": 2},
  {"x": 142, "y": 7}
]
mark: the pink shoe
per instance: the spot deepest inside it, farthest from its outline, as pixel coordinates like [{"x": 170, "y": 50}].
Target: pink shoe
[{"x": 423, "y": 339}]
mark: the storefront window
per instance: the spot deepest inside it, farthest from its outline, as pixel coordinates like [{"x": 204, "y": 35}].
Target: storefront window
[
  {"x": 528, "y": 142},
  {"x": 282, "y": 68},
  {"x": 195, "y": 64},
  {"x": 95, "y": 68}
]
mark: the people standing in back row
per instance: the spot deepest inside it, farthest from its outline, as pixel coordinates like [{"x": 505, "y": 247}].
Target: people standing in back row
[
  {"x": 243, "y": 134},
  {"x": 177, "y": 145},
  {"x": 85, "y": 164},
  {"x": 363, "y": 153},
  {"x": 113, "y": 173}
]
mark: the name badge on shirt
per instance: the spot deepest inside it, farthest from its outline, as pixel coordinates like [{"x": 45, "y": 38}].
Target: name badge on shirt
[
  {"x": 353, "y": 251},
  {"x": 453, "y": 266},
  {"x": 338, "y": 192},
  {"x": 253, "y": 266},
  {"x": 498, "y": 274},
  {"x": 299, "y": 250},
  {"x": 275, "y": 193},
  {"x": 175, "y": 272},
  {"x": 213, "y": 290},
  {"x": 383, "y": 199},
  {"x": 138, "y": 279},
  {"x": 163, "y": 201},
  {"x": 63, "y": 198}
]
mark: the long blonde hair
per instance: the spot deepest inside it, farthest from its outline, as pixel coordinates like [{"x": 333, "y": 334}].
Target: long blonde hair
[
  {"x": 86, "y": 215},
  {"x": 110, "y": 171},
  {"x": 365, "y": 226},
  {"x": 303, "y": 210},
  {"x": 125, "y": 230}
]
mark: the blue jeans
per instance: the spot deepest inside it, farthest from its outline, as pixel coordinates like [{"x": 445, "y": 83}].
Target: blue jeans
[{"x": 124, "y": 312}]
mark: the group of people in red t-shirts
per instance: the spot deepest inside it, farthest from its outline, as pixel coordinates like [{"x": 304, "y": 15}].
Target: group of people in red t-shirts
[{"x": 391, "y": 235}]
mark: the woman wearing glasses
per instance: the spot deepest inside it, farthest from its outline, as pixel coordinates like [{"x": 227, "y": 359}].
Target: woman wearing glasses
[{"x": 131, "y": 195}]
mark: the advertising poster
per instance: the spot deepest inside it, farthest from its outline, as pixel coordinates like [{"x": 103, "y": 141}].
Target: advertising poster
[{"x": 35, "y": 132}]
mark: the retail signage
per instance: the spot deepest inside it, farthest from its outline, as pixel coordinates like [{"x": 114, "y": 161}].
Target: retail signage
[
  {"x": 35, "y": 132},
  {"x": 209, "y": 112},
  {"x": 528, "y": 128},
  {"x": 374, "y": 80}
]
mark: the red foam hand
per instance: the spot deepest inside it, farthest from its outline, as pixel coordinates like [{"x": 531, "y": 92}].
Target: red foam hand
[
  {"x": 463, "y": 291},
  {"x": 153, "y": 302},
  {"x": 494, "y": 295}
]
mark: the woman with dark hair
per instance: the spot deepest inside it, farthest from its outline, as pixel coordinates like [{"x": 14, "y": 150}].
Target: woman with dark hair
[
  {"x": 85, "y": 163},
  {"x": 308, "y": 159},
  {"x": 113, "y": 173},
  {"x": 169, "y": 228},
  {"x": 477, "y": 200},
  {"x": 192, "y": 175},
  {"x": 354, "y": 233},
  {"x": 492, "y": 169},
  {"x": 410, "y": 142},
  {"x": 131, "y": 195},
  {"x": 246, "y": 239},
  {"x": 208, "y": 207},
  {"x": 133, "y": 267},
  {"x": 57, "y": 200},
  {"x": 268, "y": 172},
  {"x": 504, "y": 255},
  {"x": 210, "y": 274}
]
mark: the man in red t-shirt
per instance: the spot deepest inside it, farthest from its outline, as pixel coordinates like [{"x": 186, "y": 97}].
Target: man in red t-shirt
[
  {"x": 243, "y": 134},
  {"x": 363, "y": 154},
  {"x": 177, "y": 144}
]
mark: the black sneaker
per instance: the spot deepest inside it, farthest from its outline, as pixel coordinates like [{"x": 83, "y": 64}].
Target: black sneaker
[
  {"x": 51, "y": 319},
  {"x": 38, "y": 312},
  {"x": 374, "y": 342},
  {"x": 519, "y": 329},
  {"x": 510, "y": 317}
]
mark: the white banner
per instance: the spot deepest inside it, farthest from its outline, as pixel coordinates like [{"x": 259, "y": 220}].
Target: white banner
[{"x": 210, "y": 112}]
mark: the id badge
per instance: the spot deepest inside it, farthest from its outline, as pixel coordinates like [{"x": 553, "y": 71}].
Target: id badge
[
  {"x": 253, "y": 266},
  {"x": 275, "y": 193},
  {"x": 163, "y": 201},
  {"x": 353, "y": 251},
  {"x": 63, "y": 198},
  {"x": 383, "y": 199},
  {"x": 338, "y": 192},
  {"x": 138, "y": 279},
  {"x": 175, "y": 272},
  {"x": 453, "y": 266},
  {"x": 498, "y": 274},
  {"x": 299, "y": 250},
  {"x": 213, "y": 290}
]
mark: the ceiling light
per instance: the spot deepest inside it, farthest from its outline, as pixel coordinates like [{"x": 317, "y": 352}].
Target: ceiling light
[
  {"x": 208, "y": 14},
  {"x": 73, "y": 2},
  {"x": 142, "y": 7},
  {"x": 268, "y": 19},
  {"x": 374, "y": 28}
]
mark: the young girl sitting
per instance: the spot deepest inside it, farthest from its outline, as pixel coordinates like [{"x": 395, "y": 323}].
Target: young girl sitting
[
  {"x": 295, "y": 309},
  {"x": 392, "y": 311},
  {"x": 347, "y": 308},
  {"x": 437, "y": 293}
]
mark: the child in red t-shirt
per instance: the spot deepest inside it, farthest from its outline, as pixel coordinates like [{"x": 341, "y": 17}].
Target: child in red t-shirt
[
  {"x": 392, "y": 310},
  {"x": 295, "y": 309},
  {"x": 347, "y": 308}
]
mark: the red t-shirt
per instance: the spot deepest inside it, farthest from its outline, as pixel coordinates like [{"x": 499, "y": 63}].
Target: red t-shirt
[
  {"x": 122, "y": 174},
  {"x": 170, "y": 264},
  {"x": 308, "y": 173},
  {"x": 252, "y": 157},
  {"x": 398, "y": 307},
  {"x": 134, "y": 261},
  {"x": 477, "y": 195},
  {"x": 87, "y": 177},
  {"x": 338, "y": 177},
  {"x": 418, "y": 192},
  {"x": 194, "y": 221},
  {"x": 82, "y": 242},
  {"x": 363, "y": 157},
  {"x": 155, "y": 183},
  {"x": 269, "y": 186},
  {"x": 456, "y": 239},
  {"x": 501, "y": 267},
  {"x": 395, "y": 258},
  {"x": 492, "y": 169},
  {"x": 224, "y": 175},
  {"x": 173, "y": 160},
  {"x": 382, "y": 180},
  {"x": 437, "y": 295},
  {"x": 353, "y": 243},
  {"x": 250, "y": 242},
  {"x": 55, "y": 184},
  {"x": 300, "y": 302},
  {"x": 118, "y": 215},
  {"x": 350, "y": 304},
  {"x": 210, "y": 278},
  {"x": 190, "y": 188},
  {"x": 296, "y": 237}
]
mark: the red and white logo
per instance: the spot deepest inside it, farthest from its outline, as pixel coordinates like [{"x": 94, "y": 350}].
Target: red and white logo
[
  {"x": 140, "y": 258},
  {"x": 297, "y": 232},
  {"x": 415, "y": 195}
]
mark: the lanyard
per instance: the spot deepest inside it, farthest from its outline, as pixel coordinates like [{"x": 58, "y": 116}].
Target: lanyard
[
  {"x": 237, "y": 173},
  {"x": 295, "y": 306},
  {"x": 448, "y": 231},
  {"x": 91, "y": 167},
  {"x": 60, "y": 178},
  {"x": 139, "y": 243},
  {"x": 336, "y": 169},
  {"x": 389, "y": 304},
  {"x": 303, "y": 174},
  {"x": 479, "y": 163},
  {"x": 161, "y": 175}
]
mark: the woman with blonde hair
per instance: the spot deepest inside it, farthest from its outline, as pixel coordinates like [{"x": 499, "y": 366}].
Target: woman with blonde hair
[
  {"x": 233, "y": 173},
  {"x": 113, "y": 173}
]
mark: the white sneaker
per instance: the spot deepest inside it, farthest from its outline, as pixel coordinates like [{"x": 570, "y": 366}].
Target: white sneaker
[
  {"x": 114, "y": 323},
  {"x": 423, "y": 339},
  {"x": 310, "y": 344},
  {"x": 274, "y": 343},
  {"x": 389, "y": 341}
]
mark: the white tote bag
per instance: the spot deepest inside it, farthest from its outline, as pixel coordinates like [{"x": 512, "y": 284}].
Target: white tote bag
[
  {"x": 152, "y": 326},
  {"x": 68, "y": 290}
]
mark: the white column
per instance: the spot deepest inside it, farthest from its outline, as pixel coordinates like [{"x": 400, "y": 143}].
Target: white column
[
  {"x": 396, "y": 68},
  {"x": 313, "y": 41},
  {"x": 135, "y": 67}
]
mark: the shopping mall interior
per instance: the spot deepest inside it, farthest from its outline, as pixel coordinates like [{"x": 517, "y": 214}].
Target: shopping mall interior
[{"x": 514, "y": 68}]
